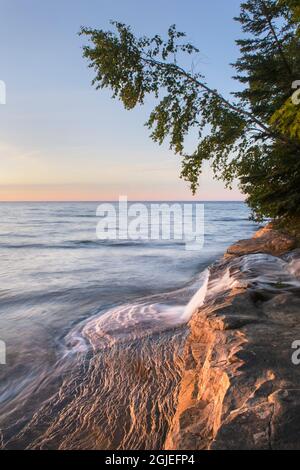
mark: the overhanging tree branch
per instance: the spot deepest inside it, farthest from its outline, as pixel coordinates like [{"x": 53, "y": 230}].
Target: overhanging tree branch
[
  {"x": 213, "y": 92},
  {"x": 236, "y": 136}
]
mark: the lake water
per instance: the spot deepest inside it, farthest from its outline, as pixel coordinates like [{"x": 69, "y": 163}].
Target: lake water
[{"x": 93, "y": 328}]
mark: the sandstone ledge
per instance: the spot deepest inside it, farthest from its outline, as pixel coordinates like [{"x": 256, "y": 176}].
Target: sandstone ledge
[
  {"x": 265, "y": 240},
  {"x": 240, "y": 388}
]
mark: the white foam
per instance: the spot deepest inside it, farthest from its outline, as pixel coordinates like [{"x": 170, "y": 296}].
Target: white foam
[
  {"x": 141, "y": 318},
  {"x": 198, "y": 298},
  {"x": 294, "y": 267},
  {"x": 222, "y": 283}
]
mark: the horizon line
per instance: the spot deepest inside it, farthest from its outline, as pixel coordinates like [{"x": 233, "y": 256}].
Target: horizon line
[{"x": 116, "y": 200}]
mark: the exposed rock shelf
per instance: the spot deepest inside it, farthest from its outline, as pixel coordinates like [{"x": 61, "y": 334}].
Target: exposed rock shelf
[{"x": 240, "y": 388}]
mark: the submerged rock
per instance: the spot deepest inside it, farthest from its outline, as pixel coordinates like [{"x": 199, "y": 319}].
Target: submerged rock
[{"x": 240, "y": 388}]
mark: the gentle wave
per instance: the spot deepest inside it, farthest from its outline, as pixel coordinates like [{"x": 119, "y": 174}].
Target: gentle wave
[{"x": 93, "y": 244}]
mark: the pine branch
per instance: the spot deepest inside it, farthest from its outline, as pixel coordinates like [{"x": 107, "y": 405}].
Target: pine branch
[{"x": 273, "y": 31}]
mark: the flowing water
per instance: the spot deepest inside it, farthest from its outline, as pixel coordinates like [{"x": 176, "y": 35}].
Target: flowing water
[{"x": 94, "y": 330}]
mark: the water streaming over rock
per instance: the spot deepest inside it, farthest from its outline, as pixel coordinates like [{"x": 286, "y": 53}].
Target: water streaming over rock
[
  {"x": 118, "y": 378},
  {"x": 95, "y": 330}
]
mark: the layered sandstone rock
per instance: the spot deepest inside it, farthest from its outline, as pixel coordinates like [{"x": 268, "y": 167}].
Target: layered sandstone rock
[
  {"x": 265, "y": 240},
  {"x": 240, "y": 388}
]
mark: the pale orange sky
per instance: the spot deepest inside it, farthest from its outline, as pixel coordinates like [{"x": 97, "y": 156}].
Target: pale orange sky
[
  {"x": 145, "y": 172},
  {"x": 93, "y": 192}
]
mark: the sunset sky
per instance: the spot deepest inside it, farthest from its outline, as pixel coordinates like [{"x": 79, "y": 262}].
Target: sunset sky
[{"x": 62, "y": 140}]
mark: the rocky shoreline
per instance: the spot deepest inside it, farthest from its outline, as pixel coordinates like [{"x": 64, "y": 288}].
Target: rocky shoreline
[{"x": 240, "y": 387}]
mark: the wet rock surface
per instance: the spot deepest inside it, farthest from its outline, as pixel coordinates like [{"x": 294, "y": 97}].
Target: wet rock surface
[{"x": 240, "y": 388}]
